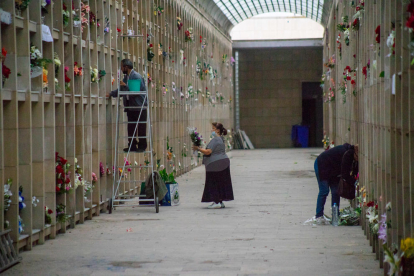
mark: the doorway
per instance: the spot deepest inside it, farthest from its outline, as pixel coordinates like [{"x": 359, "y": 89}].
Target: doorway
[{"x": 312, "y": 112}]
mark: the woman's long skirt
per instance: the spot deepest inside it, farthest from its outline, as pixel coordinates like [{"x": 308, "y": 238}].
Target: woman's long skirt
[{"x": 218, "y": 186}]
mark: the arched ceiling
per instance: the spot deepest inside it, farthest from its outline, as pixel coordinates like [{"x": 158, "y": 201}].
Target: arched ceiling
[{"x": 238, "y": 10}]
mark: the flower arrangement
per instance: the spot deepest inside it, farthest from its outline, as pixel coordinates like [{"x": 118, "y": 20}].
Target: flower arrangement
[
  {"x": 372, "y": 216},
  {"x": 78, "y": 71},
  {"x": 67, "y": 79},
  {"x": 45, "y": 82},
  {"x": 378, "y": 34},
  {"x": 331, "y": 62},
  {"x": 179, "y": 23},
  {"x": 349, "y": 216},
  {"x": 338, "y": 42},
  {"x": 101, "y": 169},
  {"x": 355, "y": 25},
  {"x": 37, "y": 62},
  {"x": 150, "y": 52},
  {"x": 79, "y": 181},
  {"x": 7, "y": 199},
  {"x": 58, "y": 63},
  {"x": 60, "y": 213},
  {"x": 158, "y": 10},
  {"x": 63, "y": 184},
  {"x": 84, "y": 20},
  {"x": 94, "y": 75},
  {"x": 92, "y": 18},
  {"x": 22, "y": 205},
  {"x": 195, "y": 137},
  {"x": 22, "y": 5},
  {"x": 224, "y": 58},
  {"x": 189, "y": 37},
  {"x": 391, "y": 42},
  {"x": 35, "y": 201},
  {"x": 359, "y": 9},
  {"x": 342, "y": 27},
  {"x": 5, "y": 70},
  {"x": 65, "y": 16},
  {"x": 48, "y": 217}
]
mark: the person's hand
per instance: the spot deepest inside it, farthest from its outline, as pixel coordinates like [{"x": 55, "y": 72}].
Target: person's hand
[
  {"x": 195, "y": 147},
  {"x": 122, "y": 83}
]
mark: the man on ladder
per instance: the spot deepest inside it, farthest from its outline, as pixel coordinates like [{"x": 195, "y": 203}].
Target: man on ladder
[{"x": 130, "y": 102}]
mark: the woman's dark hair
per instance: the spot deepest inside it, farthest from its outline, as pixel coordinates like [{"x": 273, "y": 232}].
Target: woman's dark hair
[{"x": 220, "y": 127}]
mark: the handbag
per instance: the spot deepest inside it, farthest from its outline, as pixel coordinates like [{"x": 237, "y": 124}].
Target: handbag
[{"x": 346, "y": 190}]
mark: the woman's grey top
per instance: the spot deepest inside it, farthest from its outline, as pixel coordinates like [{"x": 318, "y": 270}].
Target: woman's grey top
[{"x": 218, "y": 149}]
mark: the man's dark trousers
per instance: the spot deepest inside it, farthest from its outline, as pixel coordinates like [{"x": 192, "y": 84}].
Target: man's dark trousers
[{"x": 141, "y": 130}]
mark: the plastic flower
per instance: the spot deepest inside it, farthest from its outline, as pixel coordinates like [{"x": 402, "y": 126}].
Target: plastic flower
[
  {"x": 388, "y": 206},
  {"x": 407, "y": 246},
  {"x": 382, "y": 231}
]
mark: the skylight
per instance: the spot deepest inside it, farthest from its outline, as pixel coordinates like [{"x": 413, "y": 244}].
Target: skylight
[{"x": 239, "y": 10}]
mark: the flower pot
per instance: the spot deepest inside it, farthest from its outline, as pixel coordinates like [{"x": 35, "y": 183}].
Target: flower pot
[{"x": 407, "y": 266}]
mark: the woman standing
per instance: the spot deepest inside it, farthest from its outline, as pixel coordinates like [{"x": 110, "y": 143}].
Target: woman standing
[{"x": 218, "y": 187}]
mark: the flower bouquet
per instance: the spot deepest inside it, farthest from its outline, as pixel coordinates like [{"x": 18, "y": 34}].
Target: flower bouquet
[
  {"x": 150, "y": 52},
  {"x": 63, "y": 184},
  {"x": 48, "y": 217},
  {"x": 196, "y": 138}
]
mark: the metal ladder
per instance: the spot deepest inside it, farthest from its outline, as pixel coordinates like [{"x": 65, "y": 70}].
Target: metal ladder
[{"x": 122, "y": 200}]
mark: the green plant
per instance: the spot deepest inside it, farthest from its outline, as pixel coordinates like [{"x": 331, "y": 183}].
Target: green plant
[{"x": 168, "y": 178}]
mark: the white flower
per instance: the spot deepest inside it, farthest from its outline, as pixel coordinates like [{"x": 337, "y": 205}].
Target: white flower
[
  {"x": 390, "y": 39},
  {"x": 35, "y": 201},
  {"x": 388, "y": 206},
  {"x": 162, "y": 167},
  {"x": 7, "y": 190}
]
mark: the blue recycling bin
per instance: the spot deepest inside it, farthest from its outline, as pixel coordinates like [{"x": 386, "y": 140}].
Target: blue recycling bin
[{"x": 300, "y": 136}]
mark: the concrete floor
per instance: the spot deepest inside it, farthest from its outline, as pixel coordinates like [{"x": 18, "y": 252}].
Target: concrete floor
[{"x": 260, "y": 233}]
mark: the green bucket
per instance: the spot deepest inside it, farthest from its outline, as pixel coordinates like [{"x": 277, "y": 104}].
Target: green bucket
[{"x": 134, "y": 85}]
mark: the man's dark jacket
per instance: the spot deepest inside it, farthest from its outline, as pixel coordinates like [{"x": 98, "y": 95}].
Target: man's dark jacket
[
  {"x": 133, "y": 100},
  {"x": 336, "y": 162}
]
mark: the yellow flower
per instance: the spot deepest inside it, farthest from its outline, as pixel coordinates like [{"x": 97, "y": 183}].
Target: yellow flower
[{"x": 407, "y": 246}]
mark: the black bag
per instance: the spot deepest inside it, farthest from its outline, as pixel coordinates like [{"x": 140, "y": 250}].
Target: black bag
[{"x": 346, "y": 190}]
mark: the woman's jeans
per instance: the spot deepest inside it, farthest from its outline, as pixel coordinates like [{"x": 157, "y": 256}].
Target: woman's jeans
[{"x": 324, "y": 186}]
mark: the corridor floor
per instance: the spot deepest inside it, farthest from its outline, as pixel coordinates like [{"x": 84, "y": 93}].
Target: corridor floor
[{"x": 260, "y": 233}]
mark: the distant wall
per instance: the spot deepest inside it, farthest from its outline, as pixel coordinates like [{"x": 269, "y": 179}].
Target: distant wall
[{"x": 270, "y": 89}]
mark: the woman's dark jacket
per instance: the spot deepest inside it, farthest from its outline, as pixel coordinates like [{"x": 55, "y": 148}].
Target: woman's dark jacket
[{"x": 336, "y": 162}]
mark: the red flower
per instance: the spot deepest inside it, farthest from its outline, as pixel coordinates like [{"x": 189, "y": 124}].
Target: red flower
[
  {"x": 151, "y": 45},
  {"x": 377, "y": 32},
  {"x": 353, "y": 82},
  {"x": 364, "y": 71},
  {"x": 4, "y": 52},
  {"x": 118, "y": 30},
  {"x": 67, "y": 181},
  {"x": 376, "y": 206},
  {"x": 348, "y": 78},
  {"x": 410, "y": 22},
  {"x": 56, "y": 155},
  {"x": 67, "y": 79},
  {"x": 57, "y": 189},
  {"x": 50, "y": 211},
  {"x": 64, "y": 7},
  {"x": 358, "y": 8},
  {"x": 6, "y": 71},
  {"x": 59, "y": 181},
  {"x": 354, "y": 56},
  {"x": 371, "y": 204},
  {"x": 348, "y": 68},
  {"x": 63, "y": 161}
]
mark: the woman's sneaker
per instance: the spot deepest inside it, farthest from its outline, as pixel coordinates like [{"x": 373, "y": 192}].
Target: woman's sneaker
[
  {"x": 214, "y": 206},
  {"x": 222, "y": 205}
]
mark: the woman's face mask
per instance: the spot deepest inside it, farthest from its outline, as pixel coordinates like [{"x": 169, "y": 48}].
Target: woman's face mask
[{"x": 213, "y": 134}]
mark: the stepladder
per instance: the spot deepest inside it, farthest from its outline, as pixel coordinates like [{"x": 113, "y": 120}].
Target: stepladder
[{"x": 125, "y": 192}]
